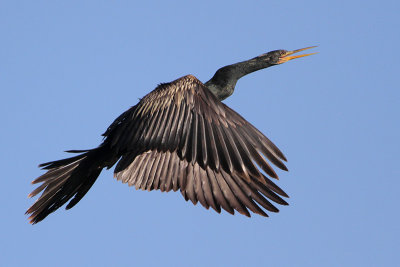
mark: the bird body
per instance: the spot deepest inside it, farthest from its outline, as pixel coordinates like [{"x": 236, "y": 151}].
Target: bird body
[{"x": 181, "y": 137}]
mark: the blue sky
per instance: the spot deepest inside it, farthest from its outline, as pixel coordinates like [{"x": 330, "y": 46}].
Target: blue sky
[{"x": 68, "y": 68}]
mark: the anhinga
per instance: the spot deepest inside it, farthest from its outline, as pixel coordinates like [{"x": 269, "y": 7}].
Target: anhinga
[{"x": 179, "y": 136}]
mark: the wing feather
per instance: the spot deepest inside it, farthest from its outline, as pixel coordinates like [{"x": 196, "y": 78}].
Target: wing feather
[
  {"x": 142, "y": 169},
  {"x": 183, "y": 115},
  {"x": 197, "y": 185},
  {"x": 223, "y": 153},
  {"x": 170, "y": 173},
  {"x": 230, "y": 196},
  {"x": 212, "y": 146},
  {"x": 152, "y": 172},
  {"x": 180, "y": 137},
  {"x": 207, "y": 190},
  {"x": 185, "y": 135},
  {"x": 159, "y": 128},
  {"x": 172, "y": 116},
  {"x": 194, "y": 136},
  {"x": 202, "y": 157}
]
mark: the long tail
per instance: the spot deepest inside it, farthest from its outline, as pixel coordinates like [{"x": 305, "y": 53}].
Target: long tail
[{"x": 66, "y": 179}]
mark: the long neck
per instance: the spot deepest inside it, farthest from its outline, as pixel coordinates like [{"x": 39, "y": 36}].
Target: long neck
[{"x": 223, "y": 83}]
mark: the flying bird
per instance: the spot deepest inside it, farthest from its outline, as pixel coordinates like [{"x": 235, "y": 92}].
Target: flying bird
[{"x": 181, "y": 137}]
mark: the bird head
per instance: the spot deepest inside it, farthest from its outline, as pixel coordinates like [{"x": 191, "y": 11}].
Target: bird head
[{"x": 281, "y": 56}]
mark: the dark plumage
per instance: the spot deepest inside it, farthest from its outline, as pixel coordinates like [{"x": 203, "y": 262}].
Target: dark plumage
[{"x": 179, "y": 136}]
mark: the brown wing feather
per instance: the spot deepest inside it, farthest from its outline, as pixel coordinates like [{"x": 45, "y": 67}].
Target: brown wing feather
[{"x": 181, "y": 137}]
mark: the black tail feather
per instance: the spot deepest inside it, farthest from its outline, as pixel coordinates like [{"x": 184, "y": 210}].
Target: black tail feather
[{"x": 66, "y": 179}]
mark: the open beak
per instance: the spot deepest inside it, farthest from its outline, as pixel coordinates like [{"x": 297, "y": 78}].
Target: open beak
[{"x": 286, "y": 56}]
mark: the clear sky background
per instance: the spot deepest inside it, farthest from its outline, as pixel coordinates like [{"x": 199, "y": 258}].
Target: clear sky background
[{"x": 69, "y": 68}]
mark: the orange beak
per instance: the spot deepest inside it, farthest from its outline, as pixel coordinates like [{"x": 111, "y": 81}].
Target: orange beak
[{"x": 286, "y": 56}]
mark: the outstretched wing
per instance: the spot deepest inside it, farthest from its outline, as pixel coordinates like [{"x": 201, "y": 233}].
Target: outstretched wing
[{"x": 180, "y": 136}]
